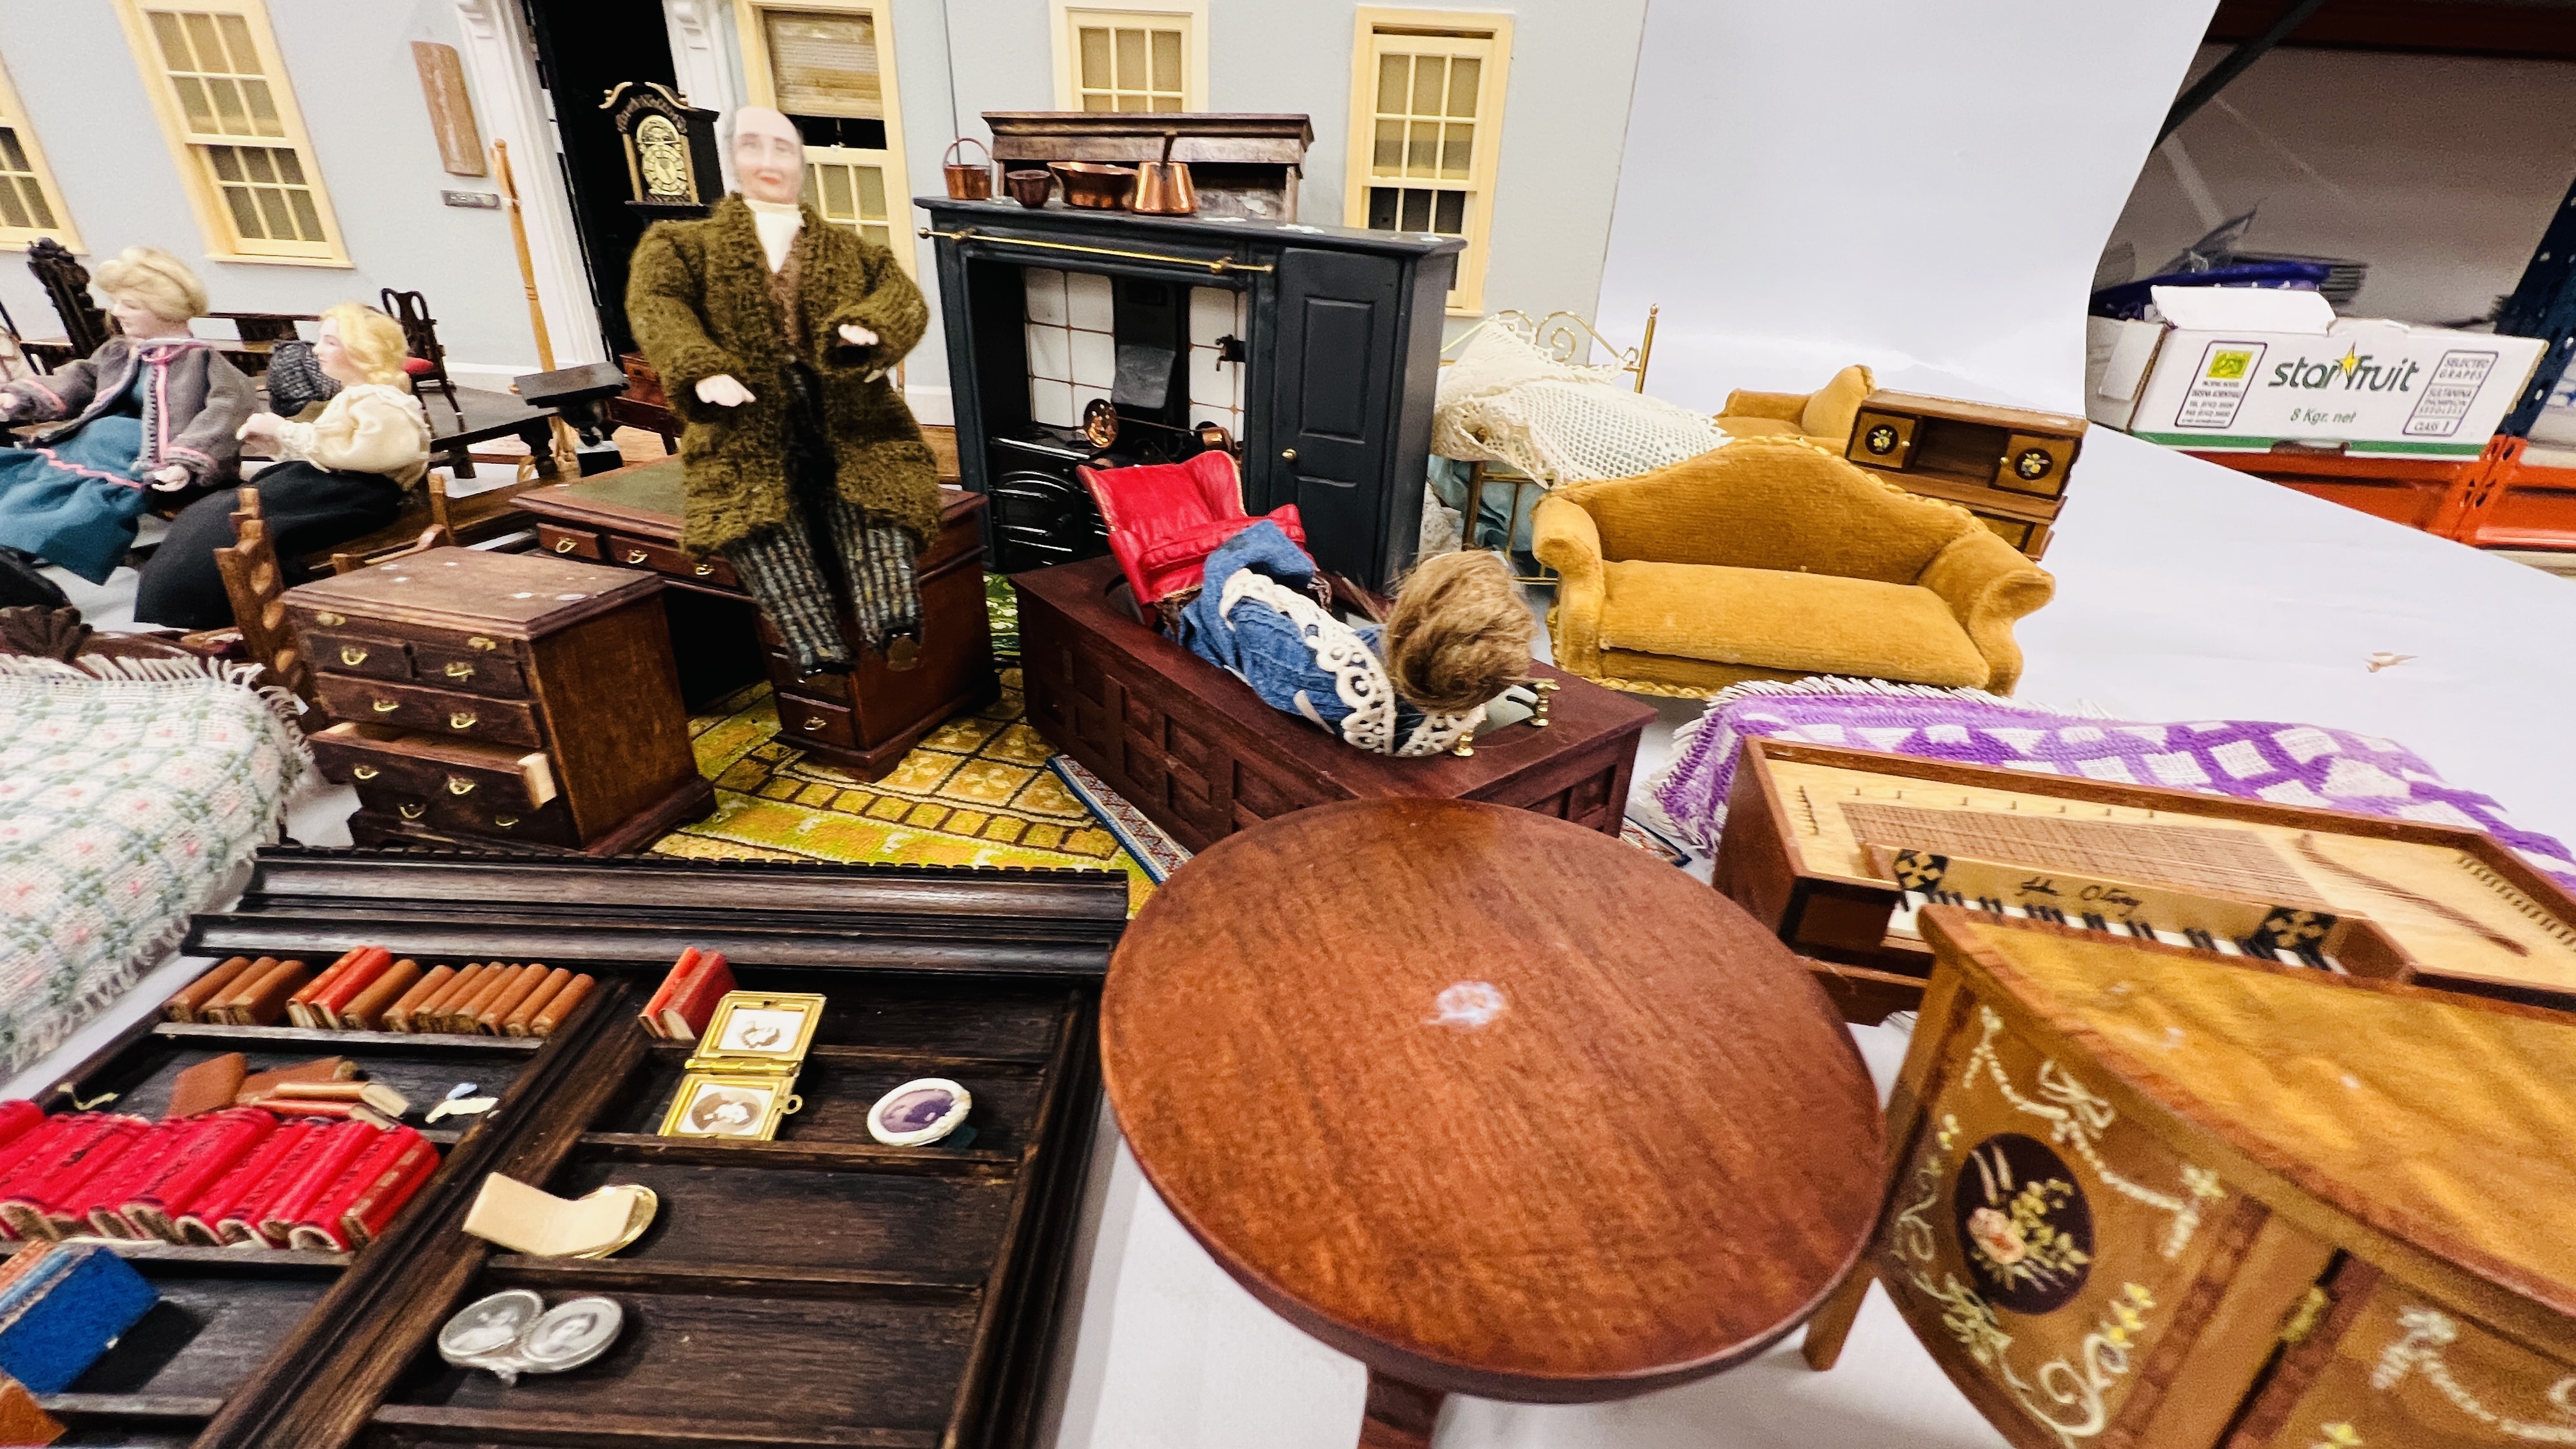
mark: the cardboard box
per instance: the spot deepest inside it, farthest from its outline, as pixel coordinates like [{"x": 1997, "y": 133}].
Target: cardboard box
[{"x": 2241, "y": 369}]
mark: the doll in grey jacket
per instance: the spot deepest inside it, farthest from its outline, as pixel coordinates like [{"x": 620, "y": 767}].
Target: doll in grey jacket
[{"x": 154, "y": 409}]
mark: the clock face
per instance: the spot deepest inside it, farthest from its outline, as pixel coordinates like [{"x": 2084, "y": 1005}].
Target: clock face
[
  {"x": 2033, "y": 463},
  {"x": 2023, "y": 1224},
  {"x": 1880, "y": 440}
]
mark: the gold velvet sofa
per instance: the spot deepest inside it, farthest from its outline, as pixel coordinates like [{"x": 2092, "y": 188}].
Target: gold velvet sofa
[
  {"x": 1770, "y": 558},
  {"x": 1823, "y": 417}
]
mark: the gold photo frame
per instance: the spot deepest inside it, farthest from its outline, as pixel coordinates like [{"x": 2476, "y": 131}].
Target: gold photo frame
[
  {"x": 756, "y": 1030},
  {"x": 735, "y": 1106}
]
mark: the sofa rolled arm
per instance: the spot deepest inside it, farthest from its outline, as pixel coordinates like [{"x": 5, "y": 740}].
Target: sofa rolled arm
[
  {"x": 1565, "y": 538},
  {"x": 1988, "y": 586},
  {"x": 1787, "y": 407}
]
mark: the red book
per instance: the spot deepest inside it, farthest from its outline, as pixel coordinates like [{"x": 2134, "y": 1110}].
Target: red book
[
  {"x": 201, "y": 1222},
  {"x": 247, "y": 1208},
  {"x": 340, "y": 1143},
  {"x": 31, "y": 1150},
  {"x": 678, "y": 976},
  {"x": 18, "y": 1117},
  {"x": 222, "y": 1141},
  {"x": 299, "y": 1007},
  {"x": 99, "y": 1206},
  {"x": 390, "y": 1157},
  {"x": 366, "y": 1219},
  {"x": 95, "y": 1140},
  {"x": 328, "y": 1001},
  {"x": 693, "y": 1005}
]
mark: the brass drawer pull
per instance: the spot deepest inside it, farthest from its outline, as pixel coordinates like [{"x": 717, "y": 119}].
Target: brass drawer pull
[
  {"x": 566, "y": 545},
  {"x": 813, "y": 722},
  {"x": 636, "y": 555},
  {"x": 479, "y": 642},
  {"x": 412, "y": 810},
  {"x": 387, "y": 706},
  {"x": 703, "y": 570},
  {"x": 460, "y": 670},
  {"x": 366, "y": 772},
  {"x": 505, "y": 821},
  {"x": 330, "y": 620},
  {"x": 460, "y": 720},
  {"x": 459, "y": 785},
  {"x": 352, "y": 655}
]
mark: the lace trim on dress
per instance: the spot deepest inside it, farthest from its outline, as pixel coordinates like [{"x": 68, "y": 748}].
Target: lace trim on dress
[{"x": 1359, "y": 676}]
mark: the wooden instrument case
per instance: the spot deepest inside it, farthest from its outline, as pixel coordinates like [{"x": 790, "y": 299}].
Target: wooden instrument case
[{"x": 819, "y": 1289}]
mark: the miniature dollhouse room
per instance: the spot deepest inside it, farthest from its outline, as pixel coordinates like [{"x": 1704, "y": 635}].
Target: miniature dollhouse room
[{"x": 1020, "y": 723}]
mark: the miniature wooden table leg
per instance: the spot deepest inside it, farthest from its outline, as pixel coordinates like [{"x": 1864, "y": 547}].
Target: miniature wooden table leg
[{"x": 1400, "y": 1415}]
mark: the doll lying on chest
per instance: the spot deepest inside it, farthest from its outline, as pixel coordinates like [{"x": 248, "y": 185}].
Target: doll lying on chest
[{"x": 1458, "y": 637}]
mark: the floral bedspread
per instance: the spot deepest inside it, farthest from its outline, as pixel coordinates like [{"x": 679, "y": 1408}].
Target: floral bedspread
[{"x": 125, "y": 804}]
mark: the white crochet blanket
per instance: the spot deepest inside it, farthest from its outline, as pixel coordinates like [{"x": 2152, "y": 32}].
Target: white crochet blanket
[{"x": 1506, "y": 401}]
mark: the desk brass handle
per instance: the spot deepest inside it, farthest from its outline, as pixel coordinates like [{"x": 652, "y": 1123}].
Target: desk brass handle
[
  {"x": 460, "y": 670},
  {"x": 460, "y": 720},
  {"x": 329, "y": 620},
  {"x": 566, "y": 545},
  {"x": 479, "y": 642},
  {"x": 814, "y": 722},
  {"x": 1287, "y": 455},
  {"x": 387, "y": 706},
  {"x": 412, "y": 810},
  {"x": 703, "y": 570},
  {"x": 352, "y": 655},
  {"x": 636, "y": 555},
  {"x": 366, "y": 772},
  {"x": 458, "y": 785},
  {"x": 505, "y": 821}
]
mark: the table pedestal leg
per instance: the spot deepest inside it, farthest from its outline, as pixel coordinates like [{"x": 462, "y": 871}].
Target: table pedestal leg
[{"x": 1400, "y": 1415}]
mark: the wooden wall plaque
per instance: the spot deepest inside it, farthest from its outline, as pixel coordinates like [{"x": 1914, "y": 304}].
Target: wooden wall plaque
[{"x": 451, "y": 110}]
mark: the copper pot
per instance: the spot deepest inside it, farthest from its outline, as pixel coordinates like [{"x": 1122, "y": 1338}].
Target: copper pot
[
  {"x": 1163, "y": 187},
  {"x": 967, "y": 181},
  {"x": 1029, "y": 188},
  {"x": 1094, "y": 186}
]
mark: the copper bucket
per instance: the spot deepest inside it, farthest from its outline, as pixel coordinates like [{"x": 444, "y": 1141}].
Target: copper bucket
[
  {"x": 967, "y": 182},
  {"x": 1163, "y": 187}
]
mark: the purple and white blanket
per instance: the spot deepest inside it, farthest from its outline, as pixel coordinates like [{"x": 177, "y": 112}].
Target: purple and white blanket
[{"x": 2287, "y": 764}]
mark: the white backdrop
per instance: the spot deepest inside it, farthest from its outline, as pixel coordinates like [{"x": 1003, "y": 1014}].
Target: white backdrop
[{"x": 1918, "y": 187}]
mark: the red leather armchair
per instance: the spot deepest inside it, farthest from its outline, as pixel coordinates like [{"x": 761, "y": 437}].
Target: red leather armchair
[{"x": 1166, "y": 518}]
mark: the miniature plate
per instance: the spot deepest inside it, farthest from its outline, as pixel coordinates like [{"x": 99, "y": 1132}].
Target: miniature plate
[
  {"x": 919, "y": 1112},
  {"x": 571, "y": 1334}
]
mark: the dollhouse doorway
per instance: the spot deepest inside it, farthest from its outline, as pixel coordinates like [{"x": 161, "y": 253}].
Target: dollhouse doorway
[{"x": 584, "y": 49}]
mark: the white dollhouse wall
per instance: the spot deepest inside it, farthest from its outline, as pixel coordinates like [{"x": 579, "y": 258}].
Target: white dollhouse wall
[{"x": 1073, "y": 350}]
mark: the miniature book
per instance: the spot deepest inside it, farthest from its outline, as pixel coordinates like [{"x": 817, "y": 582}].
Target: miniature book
[
  {"x": 210, "y": 1084},
  {"x": 59, "y": 1317},
  {"x": 686, "y": 1002},
  {"x": 531, "y": 1220}
]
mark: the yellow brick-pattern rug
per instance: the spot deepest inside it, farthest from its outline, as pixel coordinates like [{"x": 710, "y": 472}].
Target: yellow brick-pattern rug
[{"x": 976, "y": 792}]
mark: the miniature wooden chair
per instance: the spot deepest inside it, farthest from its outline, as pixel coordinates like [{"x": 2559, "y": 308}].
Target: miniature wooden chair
[
  {"x": 420, "y": 335},
  {"x": 257, "y": 587}
]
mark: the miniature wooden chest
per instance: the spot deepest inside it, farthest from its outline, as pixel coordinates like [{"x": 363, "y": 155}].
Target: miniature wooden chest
[
  {"x": 500, "y": 697},
  {"x": 2145, "y": 1196},
  {"x": 862, "y": 722},
  {"x": 2008, "y": 466},
  {"x": 1197, "y": 751}
]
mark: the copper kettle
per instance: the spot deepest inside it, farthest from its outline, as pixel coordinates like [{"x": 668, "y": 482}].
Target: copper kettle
[{"x": 1163, "y": 187}]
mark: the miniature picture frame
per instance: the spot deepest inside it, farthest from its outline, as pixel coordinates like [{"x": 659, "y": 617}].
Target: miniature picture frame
[
  {"x": 752, "y": 1028},
  {"x": 739, "y": 1106}
]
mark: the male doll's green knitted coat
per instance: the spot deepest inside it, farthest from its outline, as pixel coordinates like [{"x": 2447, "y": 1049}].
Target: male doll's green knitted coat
[{"x": 698, "y": 299}]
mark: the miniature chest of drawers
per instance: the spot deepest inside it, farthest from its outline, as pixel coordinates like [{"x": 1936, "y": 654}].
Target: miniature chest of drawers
[
  {"x": 2152, "y": 1197},
  {"x": 483, "y": 697},
  {"x": 2007, "y": 466},
  {"x": 862, "y": 722}
]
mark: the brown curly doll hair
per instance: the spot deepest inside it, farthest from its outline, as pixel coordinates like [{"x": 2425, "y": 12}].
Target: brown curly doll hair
[{"x": 1459, "y": 635}]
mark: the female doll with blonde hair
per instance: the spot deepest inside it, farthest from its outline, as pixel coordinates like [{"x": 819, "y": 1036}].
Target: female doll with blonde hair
[
  {"x": 341, "y": 476},
  {"x": 152, "y": 408}
]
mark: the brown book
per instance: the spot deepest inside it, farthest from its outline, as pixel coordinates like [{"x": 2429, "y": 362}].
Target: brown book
[
  {"x": 220, "y": 1008},
  {"x": 207, "y": 1086},
  {"x": 561, "y": 1008},
  {"x": 433, "y": 1013},
  {"x": 330, "y": 1000},
  {"x": 299, "y": 1007},
  {"x": 366, "y": 1010},
  {"x": 22, "y": 1419},
  {"x": 375, "y": 1094},
  {"x": 497, "y": 1010},
  {"x": 320, "y": 1069},
  {"x": 516, "y": 1023},
  {"x": 399, "y": 1016},
  {"x": 468, "y": 1013},
  {"x": 185, "y": 1003},
  {"x": 264, "y": 1004}
]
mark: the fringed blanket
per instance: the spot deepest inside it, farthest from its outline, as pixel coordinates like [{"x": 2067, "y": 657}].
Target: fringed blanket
[
  {"x": 2287, "y": 764},
  {"x": 129, "y": 792}
]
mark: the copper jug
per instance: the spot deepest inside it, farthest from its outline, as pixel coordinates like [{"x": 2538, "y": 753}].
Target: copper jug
[{"x": 1163, "y": 187}]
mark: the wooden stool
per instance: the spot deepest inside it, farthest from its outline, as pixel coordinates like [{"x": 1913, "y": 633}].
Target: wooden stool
[{"x": 1494, "y": 1103}]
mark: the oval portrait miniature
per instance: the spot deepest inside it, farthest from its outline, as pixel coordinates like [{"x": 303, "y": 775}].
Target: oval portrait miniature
[{"x": 919, "y": 1112}]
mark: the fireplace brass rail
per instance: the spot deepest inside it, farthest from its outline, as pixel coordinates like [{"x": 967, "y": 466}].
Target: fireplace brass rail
[{"x": 1220, "y": 265}]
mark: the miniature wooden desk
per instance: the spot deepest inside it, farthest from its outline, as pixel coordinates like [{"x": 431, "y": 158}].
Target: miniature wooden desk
[
  {"x": 1490, "y": 1102},
  {"x": 1196, "y": 750}
]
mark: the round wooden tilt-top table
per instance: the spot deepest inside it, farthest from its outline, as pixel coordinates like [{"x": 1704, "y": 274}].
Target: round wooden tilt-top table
[{"x": 1496, "y": 1104}]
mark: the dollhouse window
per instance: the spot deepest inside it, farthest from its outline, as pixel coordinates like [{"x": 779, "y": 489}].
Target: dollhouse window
[
  {"x": 1426, "y": 114},
  {"x": 220, "y": 91},
  {"x": 828, "y": 64},
  {"x": 29, "y": 205},
  {"x": 1130, "y": 60}
]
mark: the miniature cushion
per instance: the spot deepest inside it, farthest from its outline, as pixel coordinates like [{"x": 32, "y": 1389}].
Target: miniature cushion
[
  {"x": 1788, "y": 621},
  {"x": 1831, "y": 408}
]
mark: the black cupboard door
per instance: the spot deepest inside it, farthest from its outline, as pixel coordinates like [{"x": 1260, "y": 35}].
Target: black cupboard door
[{"x": 1332, "y": 403}]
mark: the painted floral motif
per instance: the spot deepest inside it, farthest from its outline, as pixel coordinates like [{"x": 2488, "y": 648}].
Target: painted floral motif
[
  {"x": 2024, "y": 1226},
  {"x": 2337, "y": 1436},
  {"x": 2424, "y": 1335}
]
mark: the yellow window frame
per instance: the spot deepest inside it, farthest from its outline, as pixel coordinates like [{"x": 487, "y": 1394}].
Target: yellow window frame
[
  {"x": 192, "y": 150},
  {"x": 13, "y": 115},
  {"x": 760, "y": 88},
  {"x": 1456, "y": 34},
  {"x": 1069, "y": 19}
]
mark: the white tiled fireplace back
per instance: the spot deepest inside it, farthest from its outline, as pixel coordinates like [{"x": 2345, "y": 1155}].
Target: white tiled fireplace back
[{"x": 1073, "y": 350}]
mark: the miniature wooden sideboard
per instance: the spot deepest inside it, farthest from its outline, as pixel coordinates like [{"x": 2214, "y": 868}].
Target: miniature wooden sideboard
[
  {"x": 2008, "y": 466},
  {"x": 2155, "y": 1197},
  {"x": 820, "y": 1289}
]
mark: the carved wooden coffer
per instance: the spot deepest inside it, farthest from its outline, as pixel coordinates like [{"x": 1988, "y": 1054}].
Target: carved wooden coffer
[{"x": 2154, "y": 1197}]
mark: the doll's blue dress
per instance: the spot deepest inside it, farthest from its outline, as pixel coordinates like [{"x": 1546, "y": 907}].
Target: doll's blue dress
[{"x": 73, "y": 502}]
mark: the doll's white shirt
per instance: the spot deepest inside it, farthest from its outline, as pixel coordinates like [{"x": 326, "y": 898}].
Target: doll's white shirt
[{"x": 778, "y": 222}]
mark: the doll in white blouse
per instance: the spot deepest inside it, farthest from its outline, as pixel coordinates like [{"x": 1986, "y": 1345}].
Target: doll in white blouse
[{"x": 341, "y": 476}]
